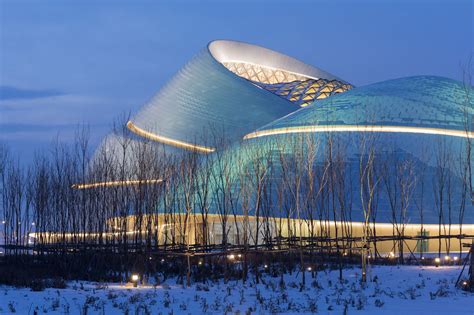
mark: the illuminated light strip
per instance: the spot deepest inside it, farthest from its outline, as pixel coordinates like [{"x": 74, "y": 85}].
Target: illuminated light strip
[
  {"x": 409, "y": 228},
  {"x": 116, "y": 183},
  {"x": 176, "y": 143},
  {"x": 355, "y": 128},
  {"x": 79, "y": 234}
]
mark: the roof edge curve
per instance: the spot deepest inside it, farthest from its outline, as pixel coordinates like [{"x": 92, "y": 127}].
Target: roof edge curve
[{"x": 240, "y": 52}]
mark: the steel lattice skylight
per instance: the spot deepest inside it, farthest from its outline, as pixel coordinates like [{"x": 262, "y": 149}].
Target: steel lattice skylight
[{"x": 303, "y": 93}]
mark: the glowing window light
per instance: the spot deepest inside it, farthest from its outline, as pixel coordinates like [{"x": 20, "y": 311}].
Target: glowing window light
[
  {"x": 355, "y": 128},
  {"x": 176, "y": 143},
  {"x": 116, "y": 183}
]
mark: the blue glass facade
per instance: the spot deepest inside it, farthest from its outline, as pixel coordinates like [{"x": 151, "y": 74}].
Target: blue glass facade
[{"x": 421, "y": 101}]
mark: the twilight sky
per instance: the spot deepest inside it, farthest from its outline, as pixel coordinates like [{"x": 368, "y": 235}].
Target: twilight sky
[{"x": 63, "y": 63}]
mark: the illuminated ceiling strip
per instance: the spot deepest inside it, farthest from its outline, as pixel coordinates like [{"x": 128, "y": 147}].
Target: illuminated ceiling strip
[
  {"x": 176, "y": 143},
  {"x": 355, "y": 128},
  {"x": 117, "y": 183}
]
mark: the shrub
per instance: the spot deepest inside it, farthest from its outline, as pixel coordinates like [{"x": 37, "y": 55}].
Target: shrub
[
  {"x": 11, "y": 307},
  {"x": 37, "y": 285},
  {"x": 58, "y": 283}
]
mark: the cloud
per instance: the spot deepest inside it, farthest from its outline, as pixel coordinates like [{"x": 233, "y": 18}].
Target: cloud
[
  {"x": 31, "y": 124},
  {"x": 54, "y": 110},
  {"x": 14, "y": 93}
]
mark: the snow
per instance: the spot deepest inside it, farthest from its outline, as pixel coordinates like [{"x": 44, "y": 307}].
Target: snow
[{"x": 396, "y": 290}]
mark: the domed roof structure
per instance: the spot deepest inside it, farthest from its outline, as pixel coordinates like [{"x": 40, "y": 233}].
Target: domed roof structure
[{"x": 421, "y": 104}]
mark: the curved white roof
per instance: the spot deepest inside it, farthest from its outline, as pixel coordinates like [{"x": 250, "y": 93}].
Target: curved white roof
[{"x": 225, "y": 51}]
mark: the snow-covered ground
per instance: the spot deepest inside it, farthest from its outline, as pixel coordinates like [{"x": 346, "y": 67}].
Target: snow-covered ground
[{"x": 395, "y": 290}]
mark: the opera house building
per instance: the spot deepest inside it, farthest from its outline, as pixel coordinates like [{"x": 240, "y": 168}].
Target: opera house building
[{"x": 287, "y": 150}]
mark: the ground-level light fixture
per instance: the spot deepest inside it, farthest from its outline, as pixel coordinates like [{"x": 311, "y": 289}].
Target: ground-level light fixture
[
  {"x": 231, "y": 256},
  {"x": 200, "y": 263},
  {"x": 437, "y": 261},
  {"x": 162, "y": 260},
  {"x": 135, "y": 279},
  {"x": 266, "y": 266},
  {"x": 309, "y": 268},
  {"x": 239, "y": 255},
  {"x": 391, "y": 255},
  {"x": 455, "y": 258},
  {"x": 447, "y": 258}
]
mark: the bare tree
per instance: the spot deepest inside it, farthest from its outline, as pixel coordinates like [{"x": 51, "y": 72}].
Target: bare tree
[{"x": 368, "y": 184}]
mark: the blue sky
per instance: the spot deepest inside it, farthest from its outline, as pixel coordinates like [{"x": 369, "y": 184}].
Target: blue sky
[{"x": 63, "y": 63}]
